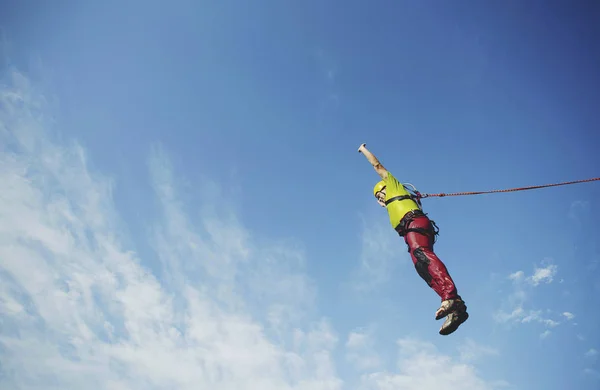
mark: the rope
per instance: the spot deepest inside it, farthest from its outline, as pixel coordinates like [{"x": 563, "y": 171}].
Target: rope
[{"x": 507, "y": 190}]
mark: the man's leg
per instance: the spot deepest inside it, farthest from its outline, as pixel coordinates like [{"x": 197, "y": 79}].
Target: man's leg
[
  {"x": 435, "y": 274},
  {"x": 426, "y": 262}
]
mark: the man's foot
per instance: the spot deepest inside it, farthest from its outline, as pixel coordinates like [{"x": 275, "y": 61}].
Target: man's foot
[
  {"x": 455, "y": 312},
  {"x": 448, "y": 306},
  {"x": 453, "y": 321}
]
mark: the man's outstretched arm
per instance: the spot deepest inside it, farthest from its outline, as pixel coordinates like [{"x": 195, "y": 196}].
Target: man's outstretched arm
[{"x": 380, "y": 169}]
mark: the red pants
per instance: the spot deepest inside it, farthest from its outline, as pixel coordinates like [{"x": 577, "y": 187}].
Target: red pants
[{"x": 426, "y": 262}]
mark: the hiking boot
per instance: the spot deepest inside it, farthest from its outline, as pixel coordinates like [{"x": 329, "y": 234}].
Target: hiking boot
[
  {"x": 453, "y": 321},
  {"x": 449, "y": 306}
]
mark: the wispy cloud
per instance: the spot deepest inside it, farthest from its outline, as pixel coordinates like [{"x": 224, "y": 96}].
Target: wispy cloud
[
  {"x": 569, "y": 316},
  {"x": 360, "y": 350},
  {"x": 419, "y": 367},
  {"x": 545, "y": 334},
  {"x": 81, "y": 309},
  {"x": 520, "y": 315},
  {"x": 543, "y": 274},
  {"x": 380, "y": 253},
  {"x": 516, "y": 306},
  {"x": 536, "y": 315},
  {"x": 517, "y": 276},
  {"x": 472, "y": 351}
]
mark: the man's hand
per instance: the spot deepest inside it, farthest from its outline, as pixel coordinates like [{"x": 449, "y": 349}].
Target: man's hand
[{"x": 380, "y": 169}]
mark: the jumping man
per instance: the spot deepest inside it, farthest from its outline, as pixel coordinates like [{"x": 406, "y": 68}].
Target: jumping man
[{"x": 419, "y": 232}]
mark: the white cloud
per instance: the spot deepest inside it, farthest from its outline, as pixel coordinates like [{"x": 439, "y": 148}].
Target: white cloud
[
  {"x": 516, "y": 314},
  {"x": 381, "y": 252},
  {"x": 422, "y": 367},
  {"x": 531, "y": 316},
  {"x": 550, "y": 323},
  {"x": 516, "y": 276},
  {"x": 472, "y": 351},
  {"x": 545, "y": 334},
  {"x": 360, "y": 350},
  {"x": 520, "y": 315},
  {"x": 515, "y": 304},
  {"x": 82, "y": 310},
  {"x": 536, "y": 315},
  {"x": 568, "y": 316},
  {"x": 543, "y": 274}
]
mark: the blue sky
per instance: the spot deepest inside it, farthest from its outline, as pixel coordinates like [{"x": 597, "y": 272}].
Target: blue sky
[{"x": 182, "y": 203}]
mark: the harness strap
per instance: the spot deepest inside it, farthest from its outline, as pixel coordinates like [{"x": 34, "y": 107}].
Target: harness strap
[
  {"x": 415, "y": 196},
  {"x": 432, "y": 231},
  {"x": 395, "y": 198}
]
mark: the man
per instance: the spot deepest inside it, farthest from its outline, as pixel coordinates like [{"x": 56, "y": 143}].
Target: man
[{"x": 419, "y": 234}]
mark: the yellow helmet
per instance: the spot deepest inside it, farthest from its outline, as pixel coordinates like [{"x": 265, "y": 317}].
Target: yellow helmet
[{"x": 378, "y": 187}]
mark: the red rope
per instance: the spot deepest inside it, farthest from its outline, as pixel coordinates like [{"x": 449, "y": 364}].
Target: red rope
[{"x": 508, "y": 190}]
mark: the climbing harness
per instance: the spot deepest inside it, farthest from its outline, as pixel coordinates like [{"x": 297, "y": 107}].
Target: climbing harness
[
  {"x": 422, "y": 196},
  {"x": 403, "y": 227}
]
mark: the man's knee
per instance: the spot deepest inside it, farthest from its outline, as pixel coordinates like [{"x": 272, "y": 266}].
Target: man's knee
[{"x": 422, "y": 265}]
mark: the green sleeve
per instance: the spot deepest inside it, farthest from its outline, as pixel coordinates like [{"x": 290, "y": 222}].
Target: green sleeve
[
  {"x": 394, "y": 187},
  {"x": 391, "y": 182}
]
